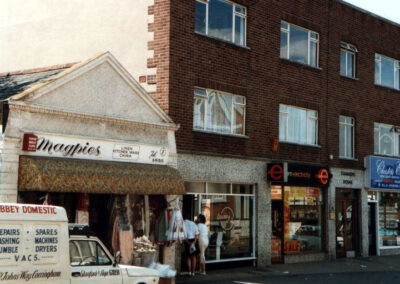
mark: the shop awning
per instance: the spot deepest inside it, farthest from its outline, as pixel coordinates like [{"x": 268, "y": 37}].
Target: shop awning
[{"x": 73, "y": 175}]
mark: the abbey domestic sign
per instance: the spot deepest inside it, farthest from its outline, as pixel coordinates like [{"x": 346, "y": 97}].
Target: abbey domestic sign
[
  {"x": 79, "y": 148},
  {"x": 382, "y": 173}
]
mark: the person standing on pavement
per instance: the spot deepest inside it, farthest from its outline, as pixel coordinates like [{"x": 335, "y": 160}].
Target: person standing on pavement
[
  {"x": 203, "y": 241},
  {"x": 191, "y": 245}
]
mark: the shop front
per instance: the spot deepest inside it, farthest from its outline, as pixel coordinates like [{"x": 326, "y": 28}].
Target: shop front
[
  {"x": 228, "y": 192},
  {"x": 88, "y": 138},
  {"x": 383, "y": 182},
  {"x": 298, "y": 194}
]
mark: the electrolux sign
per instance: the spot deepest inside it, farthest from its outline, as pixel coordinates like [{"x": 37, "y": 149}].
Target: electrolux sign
[{"x": 382, "y": 173}]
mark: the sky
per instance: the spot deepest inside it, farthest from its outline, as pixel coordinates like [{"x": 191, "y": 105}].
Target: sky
[{"x": 385, "y": 8}]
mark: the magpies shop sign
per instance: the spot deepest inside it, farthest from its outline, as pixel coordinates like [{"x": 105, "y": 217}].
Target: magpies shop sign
[
  {"x": 298, "y": 174},
  {"x": 89, "y": 149}
]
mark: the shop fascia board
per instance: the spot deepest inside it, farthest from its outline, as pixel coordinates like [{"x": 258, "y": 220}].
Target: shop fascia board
[
  {"x": 21, "y": 106},
  {"x": 79, "y": 69}
]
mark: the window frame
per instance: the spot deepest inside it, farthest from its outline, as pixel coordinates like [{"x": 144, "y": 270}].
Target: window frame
[
  {"x": 234, "y": 15},
  {"x": 205, "y": 98},
  {"x": 352, "y": 125},
  {"x": 396, "y": 70},
  {"x": 309, "y": 41},
  {"x": 348, "y": 48},
  {"x": 308, "y": 119},
  {"x": 395, "y": 138}
]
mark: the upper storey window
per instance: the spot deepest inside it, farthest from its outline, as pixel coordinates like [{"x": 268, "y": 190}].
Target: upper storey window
[
  {"x": 348, "y": 60},
  {"x": 221, "y": 19},
  {"x": 219, "y": 112},
  {"x": 386, "y": 71},
  {"x": 386, "y": 139},
  {"x": 299, "y": 44}
]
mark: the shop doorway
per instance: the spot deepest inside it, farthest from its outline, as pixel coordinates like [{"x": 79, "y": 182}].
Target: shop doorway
[
  {"x": 277, "y": 232},
  {"x": 347, "y": 231},
  {"x": 372, "y": 228}
]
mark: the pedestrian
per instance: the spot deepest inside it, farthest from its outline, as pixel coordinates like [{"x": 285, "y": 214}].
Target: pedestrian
[
  {"x": 203, "y": 241},
  {"x": 191, "y": 245}
]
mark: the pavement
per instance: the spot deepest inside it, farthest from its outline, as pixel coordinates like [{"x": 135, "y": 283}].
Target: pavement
[{"x": 374, "y": 269}]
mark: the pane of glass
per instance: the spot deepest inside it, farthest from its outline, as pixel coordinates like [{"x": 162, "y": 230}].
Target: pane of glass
[
  {"x": 303, "y": 219},
  {"x": 220, "y": 19},
  {"x": 389, "y": 215},
  {"x": 313, "y": 35},
  {"x": 313, "y": 54},
  {"x": 297, "y": 125},
  {"x": 342, "y": 119},
  {"x": 239, "y": 100},
  {"x": 377, "y": 73},
  {"x": 343, "y": 63},
  {"x": 387, "y": 72},
  {"x": 198, "y": 113},
  {"x": 282, "y": 127},
  {"x": 230, "y": 224},
  {"x": 350, "y": 141},
  {"x": 284, "y": 44},
  {"x": 219, "y": 112},
  {"x": 242, "y": 189},
  {"x": 350, "y": 64},
  {"x": 200, "y": 22},
  {"x": 283, "y": 108},
  {"x": 240, "y": 30},
  {"x": 343, "y": 45},
  {"x": 396, "y": 78},
  {"x": 238, "y": 119},
  {"x": 240, "y": 9},
  {"x": 195, "y": 187},
  {"x": 386, "y": 140},
  {"x": 218, "y": 188},
  {"x": 200, "y": 92},
  {"x": 284, "y": 25},
  {"x": 312, "y": 135},
  {"x": 312, "y": 113},
  {"x": 342, "y": 141},
  {"x": 298, "y": 42},
  {"x": 102, "y": 258}
]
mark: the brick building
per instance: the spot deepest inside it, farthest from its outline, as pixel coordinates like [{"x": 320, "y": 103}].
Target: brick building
[{"x": 287, "y": 110}]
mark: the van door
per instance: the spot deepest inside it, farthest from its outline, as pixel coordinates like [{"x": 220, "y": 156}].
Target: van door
[{"x": 91, "y": 264}]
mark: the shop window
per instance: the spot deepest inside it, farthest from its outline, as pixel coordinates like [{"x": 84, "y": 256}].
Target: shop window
[
  {"x": 386, "y": 72},
  {"x": 299, "y": 44},
  {"x": 221, "y": 19},
  {"x": 346, "y": 137},
  {"x": 230, "y": 220},
  {"x": 348, "y": 60},
  {"x": 389, "y": 216},
  {"x": 219, "y": 112},
  {"x": 302, "y": 219},
  {"x": 386, "y": 140},
  {"x": 298, "y": 125}
]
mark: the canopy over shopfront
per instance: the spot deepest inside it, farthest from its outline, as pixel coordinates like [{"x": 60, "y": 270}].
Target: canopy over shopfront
[{"x": 90, "y": 176}]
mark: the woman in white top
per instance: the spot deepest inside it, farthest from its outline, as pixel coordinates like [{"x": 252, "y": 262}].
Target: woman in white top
[{"x": 203, "y": 241}]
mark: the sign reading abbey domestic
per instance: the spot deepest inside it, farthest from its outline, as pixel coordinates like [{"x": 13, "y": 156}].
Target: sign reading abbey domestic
[
  {"x": 79, "y": 148},
  {"x": 382, "y": 173}
]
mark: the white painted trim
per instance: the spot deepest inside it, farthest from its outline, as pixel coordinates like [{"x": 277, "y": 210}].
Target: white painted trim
[
  {"x": 231, "y": 259},
  {"x": 67, "y": 113}
]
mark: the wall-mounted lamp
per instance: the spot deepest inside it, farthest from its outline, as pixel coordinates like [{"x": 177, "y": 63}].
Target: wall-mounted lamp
[{"x": 330, "y": 157}]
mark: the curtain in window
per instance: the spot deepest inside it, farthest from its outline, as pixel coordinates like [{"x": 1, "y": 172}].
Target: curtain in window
[{"x": 219, "y": 115}]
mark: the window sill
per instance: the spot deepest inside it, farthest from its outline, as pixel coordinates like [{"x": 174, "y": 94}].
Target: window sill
[
  {"x": 288, "y": 61},
  {"x": 221, "y": 134},
  {"x": 387, "y": 88},
  {"x": 299, "y": 144},
  {"x": 348, "y": 159},
  {"x": 350, "y": 78},
  {"x": 222, "y": 40}
]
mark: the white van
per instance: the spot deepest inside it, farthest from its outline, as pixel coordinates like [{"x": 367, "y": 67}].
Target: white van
[{"x": 36, "y": 247}]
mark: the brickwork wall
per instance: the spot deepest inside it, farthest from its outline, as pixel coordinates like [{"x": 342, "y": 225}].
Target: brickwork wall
[{"x": 258, "y": 73}]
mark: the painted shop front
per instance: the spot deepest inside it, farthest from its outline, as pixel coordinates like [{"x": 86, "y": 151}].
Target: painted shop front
[
  {"x": 90, "y": 139},
  {"x": 382, "y": 179},
  {"x": 298, "y": 198},
  {"x": 228, "y": 191}
]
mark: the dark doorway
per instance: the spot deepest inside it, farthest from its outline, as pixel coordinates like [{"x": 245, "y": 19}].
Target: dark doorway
[
  {"x": 347, "y": 231},
  {"x": 277, "y": 232},
  {"x": 372, "y": 228}
]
